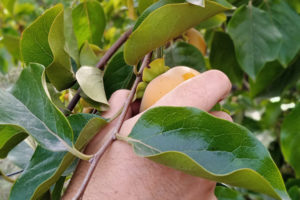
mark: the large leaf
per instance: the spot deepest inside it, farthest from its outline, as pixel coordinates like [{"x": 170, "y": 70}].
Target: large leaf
[
  {"x": 117, "y": 75},
  {"x": 295, "y": 4},
  {"x": 90, "y": 80},
  {"x": 224, "y": 193},
  {"x": 199, "y": 144},
  {"x": 29, "y": 108},
  {"x": 171, "y": 20},
  {"x": 274, "y": 79},
  {"x": 71, "y": 46},
  {"x": 89, "y": 22},
  {"x": 43, "y": 42},
  {"x": 9, "y": 5},
  {"x": 11, "y": 43},
  {"x": 289, "y": 137},
  {"x": 46, "y": 167},
  {"x": 87, "y": 55},
  {"x": 222, "y": 57},
  {"x": 144, "y": 4},
  {"x": 284, "y": 18},
  {"x": 184, "y": 54},
  {"x": 256, "y": 39},
  {"x": 21, "y": 155},
  {"x": 10, "y": 136},
  {"x": 213, "y": 22}
]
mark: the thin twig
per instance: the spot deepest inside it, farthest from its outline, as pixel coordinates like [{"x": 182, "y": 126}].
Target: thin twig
[
  {"x": 103, "y": 61},
  {"x": 94, "y": 161},
  {"x": 15, "y": 173}
]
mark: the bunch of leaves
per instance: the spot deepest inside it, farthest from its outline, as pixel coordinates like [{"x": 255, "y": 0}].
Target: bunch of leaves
[{"x": 253, "y": 43}]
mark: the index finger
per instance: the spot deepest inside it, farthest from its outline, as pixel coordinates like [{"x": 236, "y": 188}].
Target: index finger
[{"x": 202, "y": 91}]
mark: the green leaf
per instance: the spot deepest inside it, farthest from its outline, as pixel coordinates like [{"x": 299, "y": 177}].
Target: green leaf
[
  {"x": 274, "y": 79},
  {"x": 140, "y": 90},
  {"x": 289, "y": 137},
  {"x": 184, "y": 54},
  {"x": 284, "y": 18},
  {"x": 213, "y": 22},
  {"x": 9, "y": 5},
  {"x": 59, "y": 71},
  {"x": 144, "y": 4},
  {"x": 222, "y": 57},
  {"x": 90, "y": 80},
  {"x": 171, "y": 20},
  {"x": 71, "y": 46},
  {"x": 35, "y": 181},
  {"x": 199, "y": 144},
  {"x": 47, "y": 47},
  {"x": 89, "y": 22},
  {"x": 10, "y": 136},
  {"x": 56, "y": 194},
  {"x": 21, "y": 155},
  {"x": 117, "y": 75},
  {"x": 29, "y": 108},
  {"x": 152, "y": 8},
  {"x": 155, "y": 68},
  {"x": 3, "y": 65},
  {"x": 295, "y": 4},
  {"x": 87, "y": 56},
  {"x": 294, "y": 192},
  {"x": 256, "y": 39},
  {"x": 12, "y": 44},
  {"x": 224, "y": 193}
]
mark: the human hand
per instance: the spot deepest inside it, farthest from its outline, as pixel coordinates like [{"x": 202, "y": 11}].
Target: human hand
[{"x": 121, "y": 174}]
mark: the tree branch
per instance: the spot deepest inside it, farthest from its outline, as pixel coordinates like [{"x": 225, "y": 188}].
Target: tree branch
[
  {"x": 94, "y": 161},
  {"x": 103, "y": 61}
]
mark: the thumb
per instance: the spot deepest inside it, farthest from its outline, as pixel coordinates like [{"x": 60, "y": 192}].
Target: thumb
[{"x": 116, "y": 103}]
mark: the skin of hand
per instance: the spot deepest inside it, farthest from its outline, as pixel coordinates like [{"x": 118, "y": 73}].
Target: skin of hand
[{"x": 121, "y": 174}]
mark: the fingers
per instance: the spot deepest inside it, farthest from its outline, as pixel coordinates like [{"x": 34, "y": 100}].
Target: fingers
[
  {"x": 222, "y": 115},
  {"x": 202, "y": 91},
  {"x": 116, "y": 103}
]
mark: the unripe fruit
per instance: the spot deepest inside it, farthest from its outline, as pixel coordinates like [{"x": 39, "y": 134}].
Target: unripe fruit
[
  {"x": 164, "y": 83},
  {"x": 195, "y": 38}
]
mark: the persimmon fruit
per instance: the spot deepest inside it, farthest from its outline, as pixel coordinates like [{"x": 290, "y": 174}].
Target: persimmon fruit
[
  {"x": 196, "y": 39},
  {"x": 165, "y": 83}
]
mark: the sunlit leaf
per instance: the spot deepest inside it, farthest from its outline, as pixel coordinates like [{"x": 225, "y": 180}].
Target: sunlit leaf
[
  {"x": 10, "y": 136},
  {"x": 12, "y": 44},
  {"x": 46, "y": 167},
  {"x": 171, "y": 20},
  {"x": 89, "y": 22},
  {"x": 47, "y": 47},
  {"x": 199, "y": 144},
  {"x": 29, "y": 108},
  {"x": 90, "y": 80},
  {"x": 87, "y": 56},
  {"x": 71, "y": 46}
]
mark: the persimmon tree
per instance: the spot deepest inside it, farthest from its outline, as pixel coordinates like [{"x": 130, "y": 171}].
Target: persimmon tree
[{"x": 76, "y": 54}]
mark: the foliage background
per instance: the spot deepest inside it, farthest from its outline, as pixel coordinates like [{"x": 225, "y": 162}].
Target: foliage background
[{"x": 260, "y": 106}]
